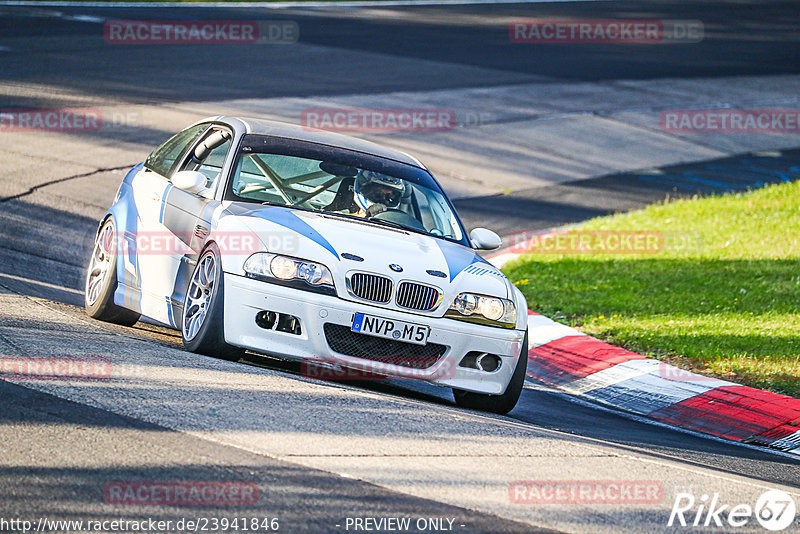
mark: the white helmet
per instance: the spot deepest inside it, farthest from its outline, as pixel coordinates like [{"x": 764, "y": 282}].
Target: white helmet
[{"x": 375, "y": 188}]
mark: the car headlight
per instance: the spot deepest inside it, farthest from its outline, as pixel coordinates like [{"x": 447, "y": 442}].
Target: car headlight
[
  {"x": 289, "y": 271},
  {"x": 493, "y": 311}
]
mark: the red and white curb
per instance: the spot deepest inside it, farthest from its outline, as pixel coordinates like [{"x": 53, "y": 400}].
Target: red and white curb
[{"x": 565, "y": 358}]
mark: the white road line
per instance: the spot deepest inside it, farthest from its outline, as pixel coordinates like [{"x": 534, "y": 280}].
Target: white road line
[
  {"x": 84, "y": 18},
  {"x": 38, "y": 283}
]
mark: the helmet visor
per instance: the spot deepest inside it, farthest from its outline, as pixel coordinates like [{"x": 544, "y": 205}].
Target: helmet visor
[{"x": 379, "y": 193}]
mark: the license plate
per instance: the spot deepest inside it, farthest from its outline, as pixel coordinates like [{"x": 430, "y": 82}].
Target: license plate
[{"x": 390, "y": 329}]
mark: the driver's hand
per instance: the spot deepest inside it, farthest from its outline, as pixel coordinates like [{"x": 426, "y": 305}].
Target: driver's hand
[{"x": 375, "y": 209}]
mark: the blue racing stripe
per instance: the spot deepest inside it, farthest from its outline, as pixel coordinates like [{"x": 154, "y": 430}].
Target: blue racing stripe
[
  {"x": 457, "y": 257},
  {"x": 169, "y": 312},
  {"x": 288, "y": 219},
  {"x": 126, "y": 218},
  {"x": 164, "y": 203}
]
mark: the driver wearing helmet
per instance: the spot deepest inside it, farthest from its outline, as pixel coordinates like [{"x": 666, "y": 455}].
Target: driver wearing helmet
[{"x": 374, "y": 193}]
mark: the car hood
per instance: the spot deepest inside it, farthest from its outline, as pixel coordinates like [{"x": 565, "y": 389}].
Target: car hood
[{"x": 346, "y": 245}]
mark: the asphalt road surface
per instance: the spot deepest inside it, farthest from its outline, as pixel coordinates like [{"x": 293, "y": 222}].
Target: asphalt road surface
[{"x": 63, "y": 442}]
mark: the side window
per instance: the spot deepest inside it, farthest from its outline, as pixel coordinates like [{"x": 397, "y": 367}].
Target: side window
[
  {"x": 209, "y": 155},
  {"x": 163, "y": 157}
]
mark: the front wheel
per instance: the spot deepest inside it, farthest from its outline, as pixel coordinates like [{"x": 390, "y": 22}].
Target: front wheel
[
  {"x": 499, "y": 404},
  {"x": 203, "y": 320},
  {"x": 101, "y": 280}
]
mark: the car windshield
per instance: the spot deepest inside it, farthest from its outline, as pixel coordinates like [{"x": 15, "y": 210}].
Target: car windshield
[{"x": 374, "y": 189}]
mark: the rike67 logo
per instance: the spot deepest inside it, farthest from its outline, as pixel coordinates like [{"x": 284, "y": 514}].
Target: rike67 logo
[{"x": 774, "y": 510}]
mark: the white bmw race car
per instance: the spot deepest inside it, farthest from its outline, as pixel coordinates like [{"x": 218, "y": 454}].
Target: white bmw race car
[{"x": 309, "y": 245}]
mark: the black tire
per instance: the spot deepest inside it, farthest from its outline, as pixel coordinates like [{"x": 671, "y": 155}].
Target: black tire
[
  {"x": 209, "y": 336},
  {"x": 101, "y": 280},
  {"x": 499, "y": 404}
]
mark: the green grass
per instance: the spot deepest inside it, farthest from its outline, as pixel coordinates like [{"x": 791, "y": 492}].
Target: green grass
[{"x": 722, "y": 298}]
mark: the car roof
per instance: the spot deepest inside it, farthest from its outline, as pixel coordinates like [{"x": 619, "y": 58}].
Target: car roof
[{"x": 322, "y": 137}]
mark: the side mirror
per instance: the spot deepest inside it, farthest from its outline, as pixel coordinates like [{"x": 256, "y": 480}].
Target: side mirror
[
  {"x": 190, "y": 181},
  {"x": 483, "y": 239}
]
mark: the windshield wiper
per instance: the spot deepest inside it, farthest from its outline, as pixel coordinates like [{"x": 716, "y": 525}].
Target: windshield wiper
[
  {"x": 289, "y": 206},
  {"x": 392, "y": 224},
  {"x": 346, "y": 217}
]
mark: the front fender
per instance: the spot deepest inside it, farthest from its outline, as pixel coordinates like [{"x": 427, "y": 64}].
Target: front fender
[{"x": 522, "y": 308}]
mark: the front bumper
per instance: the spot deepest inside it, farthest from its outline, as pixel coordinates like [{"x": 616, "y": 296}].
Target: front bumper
[{"x": 245, "y": 297}]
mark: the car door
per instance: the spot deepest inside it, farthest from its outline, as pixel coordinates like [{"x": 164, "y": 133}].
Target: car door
[
  {"x": 187, "y": 216},
  {"x": 148, "y": 265}
]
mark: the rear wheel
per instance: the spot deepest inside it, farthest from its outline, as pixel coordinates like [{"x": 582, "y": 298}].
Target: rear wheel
[
  {"x": 101, "y": 280},
  {"x": 203, "y": 321},
  {"x": 499, "y": 404}
]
